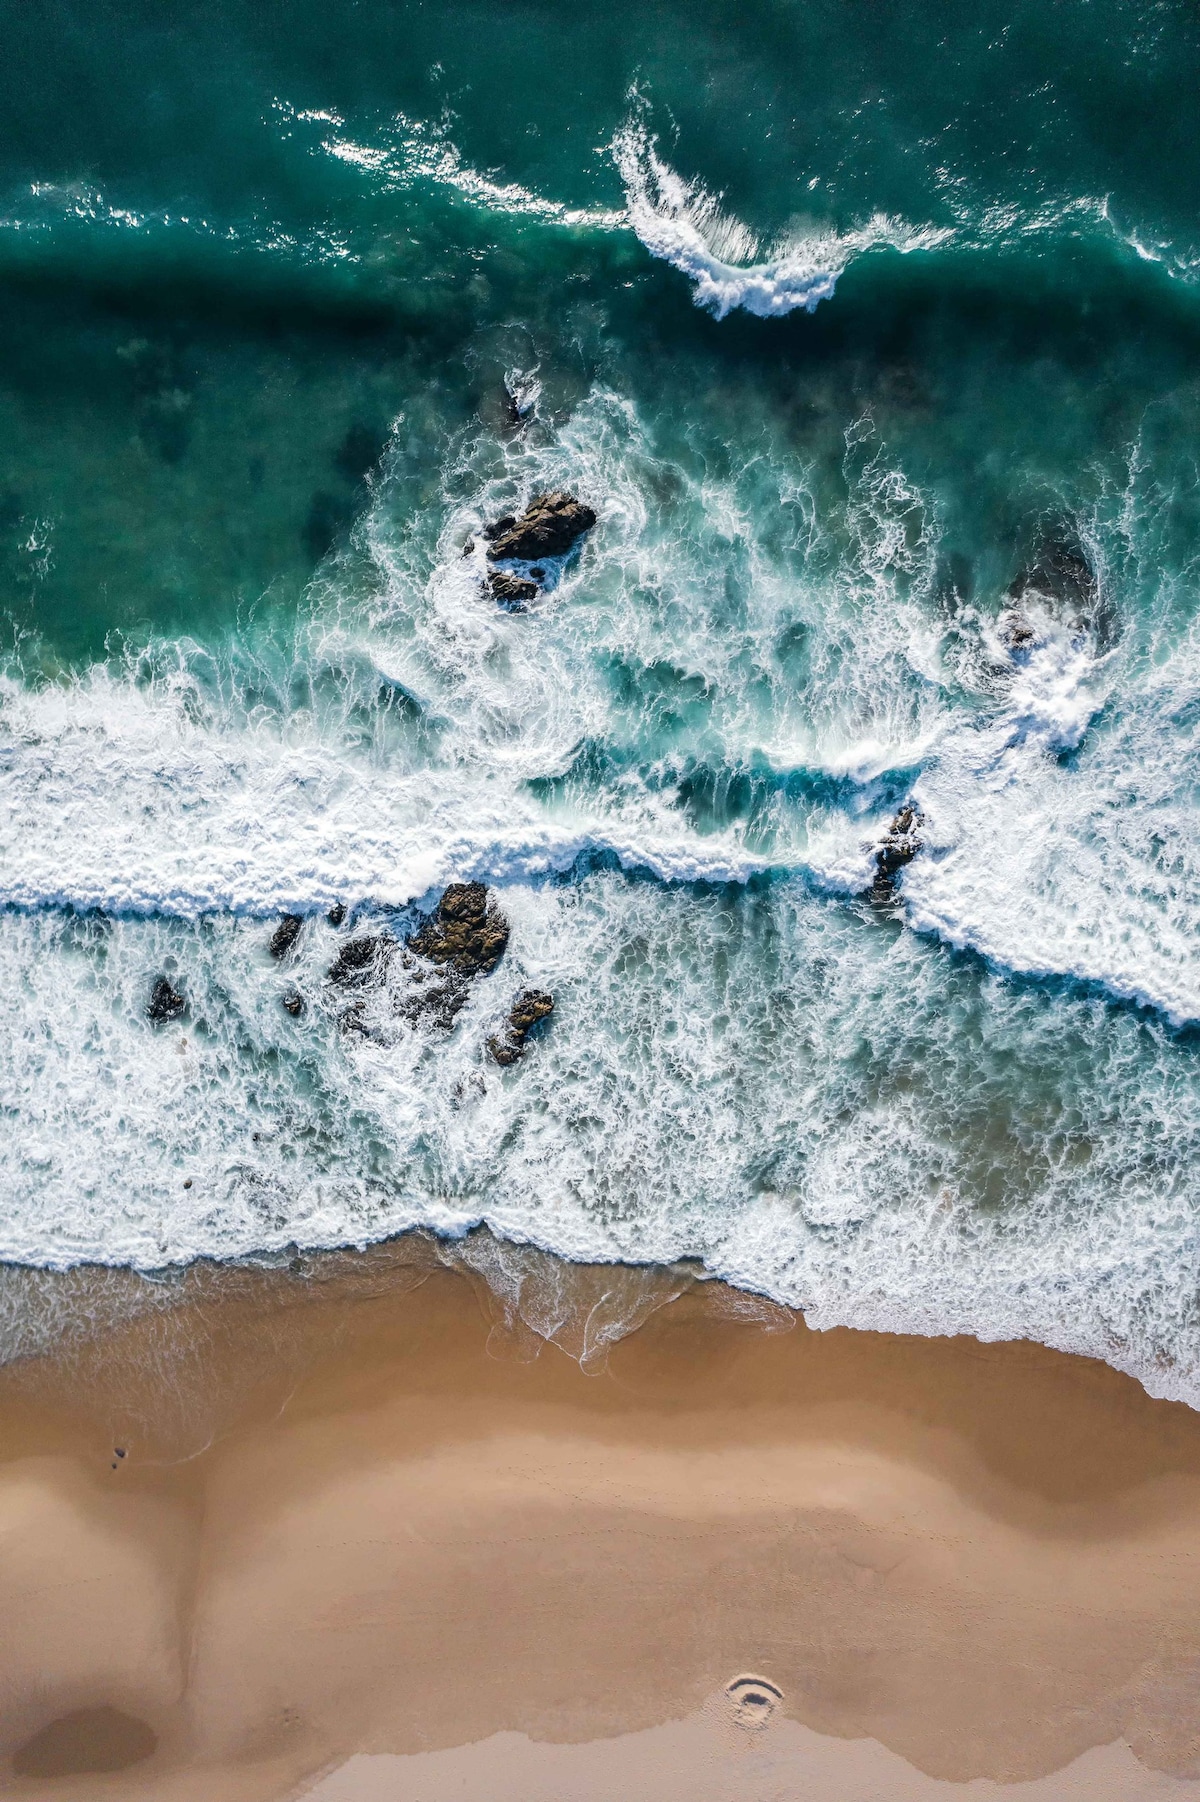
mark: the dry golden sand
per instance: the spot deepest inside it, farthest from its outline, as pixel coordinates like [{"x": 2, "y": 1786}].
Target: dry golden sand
[{"x": 363, "y": 1546}]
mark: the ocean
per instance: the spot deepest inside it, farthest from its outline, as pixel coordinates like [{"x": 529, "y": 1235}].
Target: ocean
[{"x": 871, "y": 338}]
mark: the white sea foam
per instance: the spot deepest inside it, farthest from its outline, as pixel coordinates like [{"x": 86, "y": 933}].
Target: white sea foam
[
  {"x": 679, "y": 221},
  {"x": 757, "y": 1073}
]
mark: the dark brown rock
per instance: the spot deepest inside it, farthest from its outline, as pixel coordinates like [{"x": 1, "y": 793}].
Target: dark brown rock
[
  {"x": 293, "y": 1001},
  {"x": 899, "y": 847},
  {"x": 1059, "y": 572},
  {"x": 529, "y": 1007},
  {"x": 285, "y": 935},
  {"x": 468, "y": 933},
  {"x": 549, "y": 526},
  {"x": 166, "y": 1003},
  {"x": 511, "y": 591}
]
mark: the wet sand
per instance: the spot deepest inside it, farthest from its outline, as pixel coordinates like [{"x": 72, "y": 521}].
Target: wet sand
[{"x": 359, "y": 1529}]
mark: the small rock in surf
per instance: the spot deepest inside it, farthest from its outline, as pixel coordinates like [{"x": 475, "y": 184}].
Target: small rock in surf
[
  {"x": 285, "y": 935},
  {"x": 166, "y": 1003},
  {"x": 293, "y": 1002},
  {"x": 511, "y": 591},
  {"x": 336, "y": 914},
  {"x": 899, "y": 847},
  {"x": 529, "y": 1007}
]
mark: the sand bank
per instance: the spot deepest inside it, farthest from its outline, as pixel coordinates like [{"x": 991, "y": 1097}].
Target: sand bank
[{"x": 354, "y": 1527}]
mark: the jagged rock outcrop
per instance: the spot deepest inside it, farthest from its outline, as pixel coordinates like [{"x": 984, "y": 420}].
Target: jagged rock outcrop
[
  {"x": 550, "y": 525},
  {"x": 464, "y": 938},
  {"x": 285, "y": 935},
  {"x": 529, "y": 1007},
  {"x": 293, "y": 1002},
  {"x": 166, "y": 1003},
  {"x": 899, "y": 847},
  {"x": 468, "y": 933},
  {"x": 362, "y": 962}
]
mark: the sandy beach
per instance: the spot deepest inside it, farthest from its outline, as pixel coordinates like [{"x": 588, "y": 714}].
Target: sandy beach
[{"x": 290, "y": 1539}]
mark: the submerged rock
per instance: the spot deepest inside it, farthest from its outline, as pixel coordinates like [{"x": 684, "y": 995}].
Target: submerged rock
[
  {"x": 550, "y": 525},
  {"x": 285, "y": 935},
  {"x": 900, "y": 846},
  {"x": 166, "y": 1003},
  {"x": 1059, "y": 572},
  {"x": 363, "y": 961},
  {"x": 529, "y": 1007}
]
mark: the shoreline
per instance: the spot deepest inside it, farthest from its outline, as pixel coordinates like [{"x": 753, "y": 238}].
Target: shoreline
[{"x": 283, "y": 1527}]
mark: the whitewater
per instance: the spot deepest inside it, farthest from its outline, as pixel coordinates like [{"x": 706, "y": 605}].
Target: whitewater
[
  {"x": 748, "y": 1064},
  {"x": 842, "y": 407}
]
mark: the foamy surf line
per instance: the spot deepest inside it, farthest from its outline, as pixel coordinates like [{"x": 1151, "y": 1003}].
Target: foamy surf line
[{"x": 681, "y": 223}]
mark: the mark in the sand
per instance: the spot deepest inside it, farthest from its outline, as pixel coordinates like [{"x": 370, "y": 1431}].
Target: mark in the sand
[
  {"x": 753, "y": 1700},
  {"x": 88, "y": 1740}
]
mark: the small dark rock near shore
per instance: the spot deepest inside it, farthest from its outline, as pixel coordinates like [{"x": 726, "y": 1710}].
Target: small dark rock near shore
[
  {"x": 166, "y": 1003},
  {"x": 529, "y": 1007},
  {"x": 285, "y": 935},
  {"x": 336, "y": 914},
  {"x": 293, "y": 1001},
  {"x": 899, "y": 847}
]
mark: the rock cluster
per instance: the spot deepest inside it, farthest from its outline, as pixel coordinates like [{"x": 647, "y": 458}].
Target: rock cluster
[
  {"x": 530, "y": 1006},
  {"x": 468, "y": 932},
  {"x": 551, "y": 525},
  {"x": 900, "y": 845},
  {"x": 466, "y": 937}
]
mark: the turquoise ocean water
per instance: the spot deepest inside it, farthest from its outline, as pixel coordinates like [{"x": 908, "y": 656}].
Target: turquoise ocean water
[{"x": 845, "y": 319}]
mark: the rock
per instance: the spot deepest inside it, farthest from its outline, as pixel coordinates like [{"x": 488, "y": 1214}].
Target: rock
[
  {"x": 293, "y": 1002},
  {"x": 511, "y": 591},
  {"x": 530, "y": 1006},
  {"x": 166, "y": 1003},
  {"x": 285, "y": 935},
  {"x": 336, "y": 914},
  {"x": 468, "y": 933},
  {"x": 549, "y": 527},
  {"x": 899, "y": 847},
  {"x": 363, "y": 961},
  {"x": 1059, "y": 572},
  {"x": 465, "y": 938}
]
